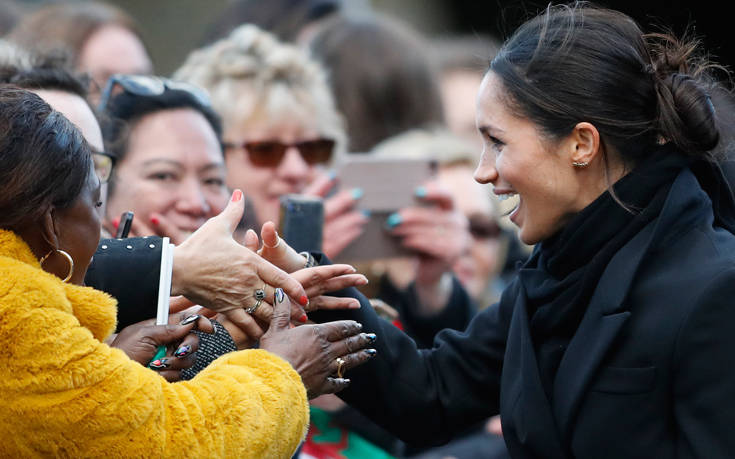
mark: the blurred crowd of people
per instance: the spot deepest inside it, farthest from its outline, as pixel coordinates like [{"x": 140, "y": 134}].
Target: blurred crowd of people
[
  {"x": 281, "y": 97},
  {"x": 277, "y": 99}
]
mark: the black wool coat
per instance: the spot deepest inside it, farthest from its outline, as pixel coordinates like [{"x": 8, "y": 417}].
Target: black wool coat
[{"x": 650, "y": 372}]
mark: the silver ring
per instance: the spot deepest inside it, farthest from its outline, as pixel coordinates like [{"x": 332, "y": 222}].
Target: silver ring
[{"x": 253, "y": 308}]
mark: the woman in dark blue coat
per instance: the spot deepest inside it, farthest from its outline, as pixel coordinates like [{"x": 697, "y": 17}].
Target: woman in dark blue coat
[{"x": 617, "y": 337}]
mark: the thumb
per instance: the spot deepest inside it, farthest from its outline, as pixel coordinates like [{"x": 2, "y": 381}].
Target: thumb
[
  {"x": 167, "y": 334},
  {"x": 269, "y": 235},
  {"x": 251, "y": 240},
  {"x": 281, "y": 311},
  {"x": 232, "y": 214}
]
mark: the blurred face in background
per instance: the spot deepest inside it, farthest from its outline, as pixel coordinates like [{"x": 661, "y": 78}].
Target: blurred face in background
[
  {"x": 174, "y": 168},
  {"x": 459, "y": 90},
  {"x": 109, "y": 50},
  {"x": 476, "y": 268},
  {"x": 252, "y": 152}
]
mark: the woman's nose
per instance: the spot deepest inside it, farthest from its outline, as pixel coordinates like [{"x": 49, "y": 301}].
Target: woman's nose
[
  {"x": 486, "y": 171},
  {"x": 191, "y": 199},
  {"x": 293, "y": 167}
]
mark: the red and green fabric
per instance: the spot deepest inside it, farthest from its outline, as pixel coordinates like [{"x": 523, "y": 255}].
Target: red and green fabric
[{"x": 326, "y": 440}]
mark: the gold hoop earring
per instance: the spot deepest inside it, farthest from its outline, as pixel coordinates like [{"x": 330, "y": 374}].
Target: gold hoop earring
[
  {"x": 578, "y": 164},
  {"x": 65, "y": 255}
]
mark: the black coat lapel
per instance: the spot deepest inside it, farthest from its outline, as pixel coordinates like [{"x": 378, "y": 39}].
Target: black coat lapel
[
  {"x": 528, "y": 423},
  {"x": 606, "y": 312}
]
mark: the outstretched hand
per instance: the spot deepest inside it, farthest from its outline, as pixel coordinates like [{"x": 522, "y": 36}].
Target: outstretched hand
[{"x": 322, "y": 353}]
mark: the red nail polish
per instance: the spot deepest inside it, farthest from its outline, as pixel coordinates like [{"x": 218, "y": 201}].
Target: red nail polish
[
  {"x": 303, "y": 318},
  {"x": 303, "y": 301},
  {"x": 236, "y": 196},
  {"x": 155, "y": 220},
  {"x": 116, "y": 222}
]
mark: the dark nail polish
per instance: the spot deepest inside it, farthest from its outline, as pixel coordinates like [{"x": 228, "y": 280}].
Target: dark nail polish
[
  {"x": 183, "y": 351},
  {"x": 190, "y": 319},
  {"x": 371, "y": 352},
  {"x": 160, "y": 364},
  {"x": 372, "y": 337}
]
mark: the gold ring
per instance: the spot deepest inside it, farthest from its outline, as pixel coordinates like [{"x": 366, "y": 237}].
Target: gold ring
[{"x": 340, "y": 363}]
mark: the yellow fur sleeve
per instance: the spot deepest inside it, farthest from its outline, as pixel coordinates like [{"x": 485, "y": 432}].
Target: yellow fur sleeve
[{"x": 67, "y": 394}]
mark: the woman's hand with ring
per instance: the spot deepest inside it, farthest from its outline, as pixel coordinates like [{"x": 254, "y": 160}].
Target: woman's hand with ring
[{"x": 313, "y": 350}]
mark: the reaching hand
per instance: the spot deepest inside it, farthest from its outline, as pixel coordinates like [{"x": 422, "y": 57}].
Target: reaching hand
[
  {"x": 322, "y": 353},
  {"x": 213, "y": 270},
  {"x": 141, "y": 341}
]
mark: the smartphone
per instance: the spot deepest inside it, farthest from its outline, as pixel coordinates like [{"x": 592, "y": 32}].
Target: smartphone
[
  {"x": 301, "y": 222},
  {"x": 123, "y": 229},
  {"x": 388, "y": 185}
]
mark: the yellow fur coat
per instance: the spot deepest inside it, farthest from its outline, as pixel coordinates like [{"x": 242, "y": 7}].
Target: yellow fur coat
[{"x": 65, "y": 393}]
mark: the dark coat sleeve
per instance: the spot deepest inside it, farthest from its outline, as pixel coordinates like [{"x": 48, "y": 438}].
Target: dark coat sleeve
[
  {"x": 425, "y": 396},
  {"x": 129, "y": 270},
  {"x": 704, "y": 376}
]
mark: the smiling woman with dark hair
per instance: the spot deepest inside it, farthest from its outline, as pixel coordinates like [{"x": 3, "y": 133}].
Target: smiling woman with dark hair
[{"x": 615, "y": 339}]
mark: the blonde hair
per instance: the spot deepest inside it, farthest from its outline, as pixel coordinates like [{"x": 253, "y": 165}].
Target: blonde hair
[
  {"x": 250, "y": 73},
  {"x": 438, "y": 144}
]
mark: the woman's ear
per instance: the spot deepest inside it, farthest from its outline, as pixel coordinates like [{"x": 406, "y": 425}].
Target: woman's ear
[
  {"x": 48, "y": 228},
  {"x": 585, "y": 142}
]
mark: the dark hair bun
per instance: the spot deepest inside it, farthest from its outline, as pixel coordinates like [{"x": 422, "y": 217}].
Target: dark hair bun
[{"x": 686, "y": 115}]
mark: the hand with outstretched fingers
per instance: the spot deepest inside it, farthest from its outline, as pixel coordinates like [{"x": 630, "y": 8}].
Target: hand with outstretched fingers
[{"x": 320, "y": 353}]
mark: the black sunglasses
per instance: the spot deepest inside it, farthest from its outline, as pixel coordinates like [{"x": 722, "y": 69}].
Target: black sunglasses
[
  {"x": 270, "y": 153},
  {"x": 148, "y": 86}
]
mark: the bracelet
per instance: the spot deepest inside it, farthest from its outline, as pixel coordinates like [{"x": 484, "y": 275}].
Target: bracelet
[{"x": 310, "y": 261}]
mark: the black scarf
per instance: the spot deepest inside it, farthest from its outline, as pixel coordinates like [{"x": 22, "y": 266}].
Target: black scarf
[{"x": 561, "y": 275}]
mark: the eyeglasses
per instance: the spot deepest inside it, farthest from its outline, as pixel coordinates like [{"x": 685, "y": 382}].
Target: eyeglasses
[
  {"x": 149, "y": 86},
  {"x": 103, "y": 164},
  {"x": 270, "y": 153},
  {"x": 483, "y": 227}
]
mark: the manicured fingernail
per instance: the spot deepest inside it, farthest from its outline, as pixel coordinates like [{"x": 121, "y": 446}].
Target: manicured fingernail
[
  {"x": 362, "y": 281},
  {"x": 116, "y": 222},
  {"x": 155, "y": 220},
  {"x": 303, "y": 318},
  {"x": 366, "y": 213},
  {"x": 303, "y": 301},
  {"x": 183, "y": 351},
  {"x": 355, "y": 305},
  {"x": 189, "y": 319},
  {"x": 371, "y": 352},
  {"x": 236, "y": 195},
  {"x": 393, "y": 220},
  {"x": 371, "y": 336},
  {"x": 420, "y": 192},
  {"x": 279, "y": 295},
  {"x": 159, "y": 364},
  {"x": 332, "y": 174},
  {"x": 357, "y": 193}
]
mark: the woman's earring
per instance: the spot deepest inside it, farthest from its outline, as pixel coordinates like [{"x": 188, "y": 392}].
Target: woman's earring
[
  {"x": 578, "y": 164},
  {"x": 65, "y": 255}
]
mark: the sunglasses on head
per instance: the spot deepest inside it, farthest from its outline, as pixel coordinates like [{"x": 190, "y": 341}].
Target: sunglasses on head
[
  {"x": 149, "y": 86},
  {"x": 270, "y": 153}
]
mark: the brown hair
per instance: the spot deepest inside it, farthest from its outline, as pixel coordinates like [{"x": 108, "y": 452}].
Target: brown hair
[
  {"x": 575, "y": 63},
  {"x": 67, "y": 26},
  {"x": 383, "y": 80},
  {"x": 44, "y": 160}
]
